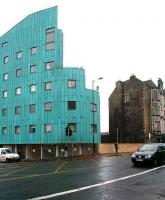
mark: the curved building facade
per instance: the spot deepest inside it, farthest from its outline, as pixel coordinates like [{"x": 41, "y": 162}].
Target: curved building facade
[{"x": 39, "y": 97}]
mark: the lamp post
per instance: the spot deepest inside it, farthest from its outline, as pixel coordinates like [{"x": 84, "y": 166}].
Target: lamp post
[{"x": 93, "y": 110}]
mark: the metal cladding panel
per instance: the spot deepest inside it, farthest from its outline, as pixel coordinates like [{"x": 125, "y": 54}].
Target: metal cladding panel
[{"x": 29, "y": 33}]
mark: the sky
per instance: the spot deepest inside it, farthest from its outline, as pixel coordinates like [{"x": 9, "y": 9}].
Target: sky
[{"x": 112, "y": 39}]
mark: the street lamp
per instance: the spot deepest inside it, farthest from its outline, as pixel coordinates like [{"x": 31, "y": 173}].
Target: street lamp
[{"x": 93, "y": 109}]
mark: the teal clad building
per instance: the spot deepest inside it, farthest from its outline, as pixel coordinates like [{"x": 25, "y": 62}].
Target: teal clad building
[{"x": 39, "y": 97}]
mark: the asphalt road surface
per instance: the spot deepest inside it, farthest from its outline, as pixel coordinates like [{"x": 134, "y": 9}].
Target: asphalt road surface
[{"x": 97, "y": 178}]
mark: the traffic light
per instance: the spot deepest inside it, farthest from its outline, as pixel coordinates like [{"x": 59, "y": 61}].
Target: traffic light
[
  {"x": 66, "y": 131},
  {"x": 70, "y": 132}
]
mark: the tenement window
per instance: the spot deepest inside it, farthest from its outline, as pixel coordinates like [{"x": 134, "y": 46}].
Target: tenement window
[
  {"x": 17, "y": 129},
  {"x": 48, "y": 128},
  {"x": 50, "y": 38},
  {"x": 49, "y": 65},
  {"x": 71, "y": 105},
  {"x": 32, "y": 128},
  {"x": 33, "y": 50},
  {"x": 71, "y": 83},
  {"x": 19, "y": 54},
  {"x": 48, "y": 106}
]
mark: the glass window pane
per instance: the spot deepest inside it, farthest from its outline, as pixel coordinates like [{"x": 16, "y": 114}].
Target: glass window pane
[
  {"x": 48, "y": 106},
  {"x": 4, "y": 111},
  {"x": 19, "y": 54},
  {"x": 18, "y": 91},
  {"x": 49, "y": 65},
  {"x": 71, "y": 105},
  {"x": 72, "y": 126},
  {"x": 48, "y": 85},
  {"x": 71, "y": 83},
  {"x": 32, "y": 128},
  {"x": 48, "y": 128},
  {"x": 32, "y": 88},
  {"x": 5, "y": 76},
  {"x": 4, "y": 130},
  {"x": 18, "y": 72},
  {"x": 50, "y": 46},
  {"x": 6, "y": 59},
  {"x": 17, "y": 129},
  {"x": 33, "y": 50},
  {"x": 32, "y": 108},
  {"x": 5, "y": 94},
  {"x": 50, "y": 37},
  {"x": 17, "y": 110},
  {"x": 33, "y": 69}
]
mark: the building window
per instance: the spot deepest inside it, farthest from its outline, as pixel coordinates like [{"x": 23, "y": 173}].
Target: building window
[
  {"x": 93, "y": 107},
  {"x": 32, "y": 128},
  {"x": 33, "y": 50},
  {"x": 48, "y": 85},
  {"x": 49, "y": 65},
  {"x": 71, "y": 105},
  {"x": 50, "y": 38},
  {"x": 4, "y": 111},
  {"x": 72, "y": 126},
  {"x": 33, "y": 69},
  {"x": 18, "y": 72},
  {"x": 71, "y": 83},
  {"x": 19, "y": 54},
  {"x": 48, "y": 106},
  {"x": 4, "y": 44},
  {"x": 18, "y": 110},
  {"x": 18, "y": 91},
  {"x": 32, "y": 108},
  {"x": 6, "y": 59},
  {"x": 33, "y": 88},
  {"x": 48, "y": 128},
  {"x": 4, "y": 130},
  {"x": 17, "y": 129},
  {"x": 5, "y": 93},
  {"x": 126, "y": 98},
  {"x": 5, "y": 76},
  {"x": 93, "y": 128}
]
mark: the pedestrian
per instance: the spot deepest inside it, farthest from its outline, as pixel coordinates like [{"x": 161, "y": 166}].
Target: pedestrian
[
  {"x": 116, "y": 148},
  {"x": 66, "y": 154}
]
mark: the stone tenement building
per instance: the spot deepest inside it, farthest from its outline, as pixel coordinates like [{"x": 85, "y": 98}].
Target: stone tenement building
[{"x": 137, "y": 110}]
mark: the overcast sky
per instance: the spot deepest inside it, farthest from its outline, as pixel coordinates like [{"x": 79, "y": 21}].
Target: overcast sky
[{"x": 110, "y": 39}]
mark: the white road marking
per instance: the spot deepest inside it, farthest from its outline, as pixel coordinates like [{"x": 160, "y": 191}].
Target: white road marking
[{"x": 95, "y": 185}]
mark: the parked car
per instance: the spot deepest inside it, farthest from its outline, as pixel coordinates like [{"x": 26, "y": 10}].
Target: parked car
[
  {"x": 6, "y": 155},
  {"x": 153, "y": 153}
]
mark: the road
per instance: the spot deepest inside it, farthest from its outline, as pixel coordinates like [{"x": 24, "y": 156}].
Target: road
[{"x": 97, "y": 178}]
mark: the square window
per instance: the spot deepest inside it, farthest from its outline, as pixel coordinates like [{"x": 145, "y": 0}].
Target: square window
[
  {"x": 49, "y": 65},
  {"x": 72, "y": 105},
  {"x": 18, "y": 110},
  {"x": 5, "y": 76},
  {"x": 72, "y": 126},
  {"x": 5, "y": 93},
  {"x": 18, "y": 91},
  {"x": 19, "y": 54},
  {"x": 71, "y": 83},
  {"x": 17, "y": 129},
  {"x": 33, "y": 69},
  {"x": 33, "y": 50},
  {"x": 93, "y": 107},
  {"x": 48, "y": 85},
  {"x": 4, "y": 130},
  {"x": 32, "y": 128},
  {"x": 33, "y": 88},
  {"x": 4, "y": 111},
  {"x": 48, "y": 106},
  {"x": 93, "y": 128},
  {"x": 18, "y": 72},
  {"x": 48, "y": 128},
  {"x": 32, "y": 108},
  {"x": 6, "y": 59}
]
